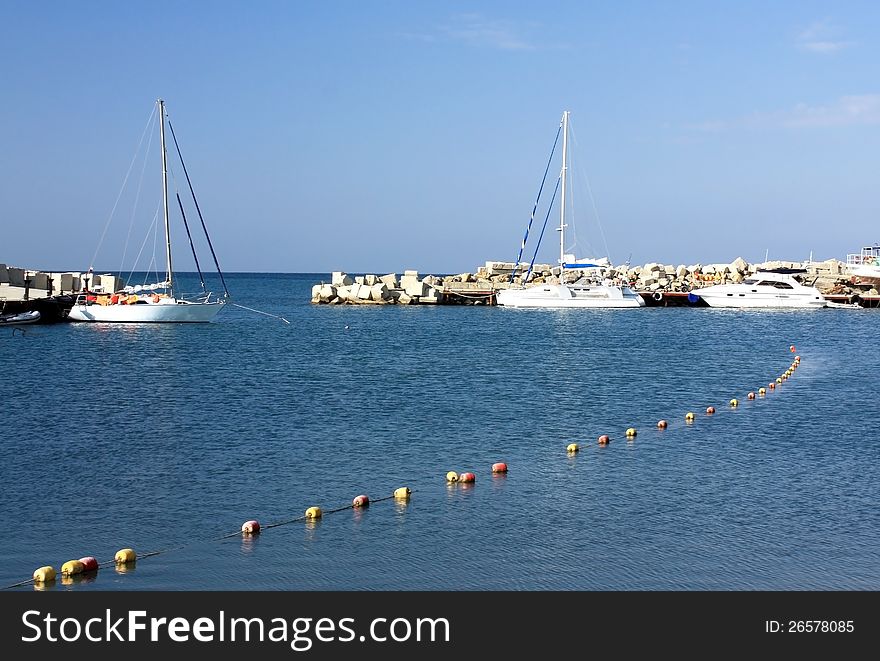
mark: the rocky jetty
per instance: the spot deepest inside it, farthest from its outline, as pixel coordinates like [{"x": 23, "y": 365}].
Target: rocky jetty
[{"x": 830, "y": 277}]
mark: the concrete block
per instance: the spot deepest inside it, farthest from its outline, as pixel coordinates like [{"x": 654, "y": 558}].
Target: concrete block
[
  {"x": 340, "y": 279},
  {"x": 16, "y": 276},
  {"x": 432, "y": 296},
  {"x": 39, "y": 280},
  {"x": 390, "y": 280},
  {"x": 370, "y": 280},
  {"x": 379, "y": 292},
  {"x": 364, "y": 292},
  {"x": 412, "y": 285},
  {"x": 359, "y": 279}
]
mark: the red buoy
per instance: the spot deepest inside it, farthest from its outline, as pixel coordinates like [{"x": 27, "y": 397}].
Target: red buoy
[
  {"x": 710, "y": 410},
  {"x": 250, "y": 527},
  {"x": 751, "y": 395},
  {"x": 89, "y": 563},
  {"x": 360, "y": 501},
  {"x": 500, "y": 467},
  {"x": 604, "y": 439},
  {"x": 467, "y": 477},
  {"x": 791, "y": 348},
  {"x": 662, "y": 424}
]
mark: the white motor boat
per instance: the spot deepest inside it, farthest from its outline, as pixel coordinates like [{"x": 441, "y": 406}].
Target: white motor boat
[{"x": 773, "y": 288}]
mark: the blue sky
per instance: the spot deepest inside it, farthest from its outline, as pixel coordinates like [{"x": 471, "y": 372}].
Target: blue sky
[{"x": 382, "y": 136}]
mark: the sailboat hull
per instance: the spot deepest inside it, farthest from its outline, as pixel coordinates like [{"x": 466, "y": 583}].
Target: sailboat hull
[
  {"x": 146, "y": 313},
  {"x": 570, "y": 296}
]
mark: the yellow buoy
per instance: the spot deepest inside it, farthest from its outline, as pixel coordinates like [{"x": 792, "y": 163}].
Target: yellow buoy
[
  {"x": 734, "y": 403},
  {"x": 572, "y": 448},
  {"x": 689, "y": 416},
  {"x": 124, "y": 556},
  {"x": 631, "y": 432},
  {"x": 71, "y": 567},
  {"x": 314, "y": 513},
  {"x": 778, "y": 379},
  {"x": 452, "y": 476},
  {"x": 402, "y": 493},
  {"x": 762, "y": 391},
  {"x": 44, "y": 574}
]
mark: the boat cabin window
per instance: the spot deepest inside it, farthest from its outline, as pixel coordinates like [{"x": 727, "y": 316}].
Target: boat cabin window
[
  {"x": 782, "y": 285},
  {"x": 750, "y": 281}
]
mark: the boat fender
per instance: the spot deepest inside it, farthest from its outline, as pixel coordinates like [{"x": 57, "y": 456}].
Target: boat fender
[
  {"x": 155, "y": 298},
  {"x": 657, "y": 296}
]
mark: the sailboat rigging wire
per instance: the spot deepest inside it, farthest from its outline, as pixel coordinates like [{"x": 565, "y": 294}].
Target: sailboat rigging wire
[
  {"x": 541, "y": 236},
  {"x": 137, "y": 196},
  {"x": 198, "y": 209},
  {"x": 122, "y": 188},
  {"x": 535, "y": 207},
  {"x": 152, "y": 229},
  {"x": 277, "y": 316},
  {"x": 592, "y": 200},
  {"x": 188, "y": 234}
]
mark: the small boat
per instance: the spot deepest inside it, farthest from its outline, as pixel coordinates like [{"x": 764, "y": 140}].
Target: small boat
[
  {"x": 159, "y": 302},
  {"x": 29, "y": 317},
  {"x": 771, "y": 288},
  {"x": 590, "y": 289}
]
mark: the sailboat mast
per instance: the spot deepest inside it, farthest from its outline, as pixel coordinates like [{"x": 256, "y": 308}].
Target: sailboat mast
[
  {"x": 563, "y": 174},
  {"x": 169, "y": 270}
]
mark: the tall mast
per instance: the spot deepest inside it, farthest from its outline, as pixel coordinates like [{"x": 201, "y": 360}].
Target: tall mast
[
  {"x": 563, "y": 174},
  {"x": 169, "y": 270}
]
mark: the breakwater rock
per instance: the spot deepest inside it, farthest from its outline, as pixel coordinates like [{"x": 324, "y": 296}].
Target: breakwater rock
[{"x": 830, "y": 277}]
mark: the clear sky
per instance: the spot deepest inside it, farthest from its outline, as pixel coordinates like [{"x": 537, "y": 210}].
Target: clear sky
[{"x": 391, "y": 135}]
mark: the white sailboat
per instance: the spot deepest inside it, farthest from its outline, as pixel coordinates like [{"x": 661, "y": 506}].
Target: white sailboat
[
  {"x": 586, "y": 291},
  {"x": 159, "y": 302}
]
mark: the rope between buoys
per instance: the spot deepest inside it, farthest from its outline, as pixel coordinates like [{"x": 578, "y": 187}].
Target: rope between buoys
[{"x": 237, "y": 533}]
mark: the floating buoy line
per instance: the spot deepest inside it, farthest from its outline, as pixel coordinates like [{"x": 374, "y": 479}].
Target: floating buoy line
[{"x": 125, "y": 558}]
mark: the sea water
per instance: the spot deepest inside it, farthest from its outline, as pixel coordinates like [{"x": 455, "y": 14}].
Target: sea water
[{"x": 166, "y": 438}]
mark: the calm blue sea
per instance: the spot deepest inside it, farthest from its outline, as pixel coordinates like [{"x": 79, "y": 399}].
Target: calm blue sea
[{"x": 168, "y": 437}]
